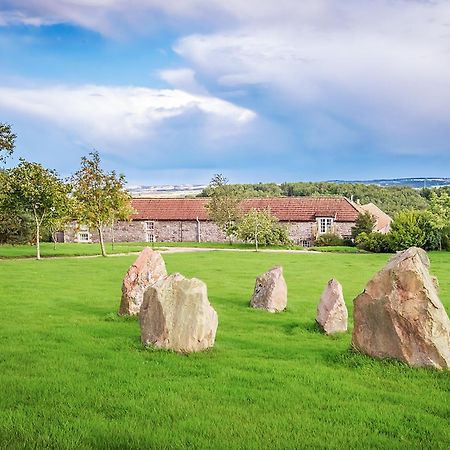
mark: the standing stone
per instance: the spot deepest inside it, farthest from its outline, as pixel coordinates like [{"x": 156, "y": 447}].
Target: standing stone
[
  {"x": 148, "y": 268},
  {"x": 399, "y": 314},
  {"x": 332, "y": 313},
  {"x": 177, "y": 315},
  {"x": 270, "y": 291}
]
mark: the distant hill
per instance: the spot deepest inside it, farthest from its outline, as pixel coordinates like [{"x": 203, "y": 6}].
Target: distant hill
[{"x": 417, "y": 183}]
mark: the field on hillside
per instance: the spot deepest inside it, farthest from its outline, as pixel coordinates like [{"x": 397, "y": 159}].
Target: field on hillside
[{"x": 74, "y": 375}]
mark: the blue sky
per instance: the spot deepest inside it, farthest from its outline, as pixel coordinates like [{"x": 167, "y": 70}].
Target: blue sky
[{"x": 172, "y": 91}]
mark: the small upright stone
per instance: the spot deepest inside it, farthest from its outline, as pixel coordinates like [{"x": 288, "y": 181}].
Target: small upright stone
[
  {"x": 270, "y": 291},
  {"x": 176, "y": 315},
  {"x": 399, "y": 314},
  {"x": 332, "y": 313},
  {"x": 148, "y": 268}
]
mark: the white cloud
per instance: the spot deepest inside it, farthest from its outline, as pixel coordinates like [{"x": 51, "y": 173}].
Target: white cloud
[
  {"x": 382, "y": 66},
  {"x": 102, "y": 114},
  {"x": 183, "y": 79}
]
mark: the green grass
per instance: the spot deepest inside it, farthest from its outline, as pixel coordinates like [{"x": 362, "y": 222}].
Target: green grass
[
  {"x": 74, "y": 375},
  {"x": 48, "y": 249},
  {"x": 68, "y": 249},
  {"x": 338, "y": 249}
]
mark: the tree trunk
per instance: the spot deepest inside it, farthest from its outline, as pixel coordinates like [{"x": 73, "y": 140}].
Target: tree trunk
[
  {"x": 54, "y": 239},
  {"x": 112, "y": 236},
  {"x": 38, "y": 242},
  {"x": 102, "y": 242},
  {"x": 256, "y": 237}
]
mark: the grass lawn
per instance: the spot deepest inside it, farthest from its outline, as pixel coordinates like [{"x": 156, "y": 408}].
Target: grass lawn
[
  {"x": 49, "y": 250},
  {"x": 74, "y": 375}
]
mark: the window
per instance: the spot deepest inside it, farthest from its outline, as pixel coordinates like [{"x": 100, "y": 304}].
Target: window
[
  {"x": 325, "y": 225},
  {"x": 149, "y": 228},
  {"x": 306, "y": 243},
  {"x": 83, "y": 236}
]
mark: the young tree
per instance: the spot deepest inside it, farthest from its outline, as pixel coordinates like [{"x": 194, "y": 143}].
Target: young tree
[
  {"x": 365, "y": 223},
  {"x": 37, "y": 191},
  {"x": 7, "y": 141},
  {"x": 223, "y": 206},
  {"x": 99, "y": 196},
  {"x": 261, "y": 228}
]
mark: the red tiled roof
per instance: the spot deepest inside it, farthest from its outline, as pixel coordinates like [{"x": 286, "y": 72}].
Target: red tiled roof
[{"x": 294, "y": 209}]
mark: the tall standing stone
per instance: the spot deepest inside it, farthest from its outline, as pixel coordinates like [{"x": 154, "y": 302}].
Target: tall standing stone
[
  {"x": 332, "y": 315},
  {"x": 177, "y": 315},
  {"x": 148, "y": 268},
  {"x": 399, "y": 314},
  {"x": 270, "y": 291}
]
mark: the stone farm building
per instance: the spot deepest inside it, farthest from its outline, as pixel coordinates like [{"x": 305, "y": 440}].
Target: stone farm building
[{"x": 186, "y": 220}]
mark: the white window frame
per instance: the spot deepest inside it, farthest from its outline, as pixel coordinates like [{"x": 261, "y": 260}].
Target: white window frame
[
  {"x": 83, "y": 235},
  {"x": 325, "y": 224},
  {"x": 149, "y": 229}
]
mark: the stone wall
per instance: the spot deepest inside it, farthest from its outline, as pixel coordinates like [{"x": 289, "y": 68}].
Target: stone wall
[{"x": 188, "y": 231}]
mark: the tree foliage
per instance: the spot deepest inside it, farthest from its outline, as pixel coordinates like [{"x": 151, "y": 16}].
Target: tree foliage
[
  {"x": 100, "y": 197},
  {"x": 37, "y": 191},
  {"x": 365, "y": 223},
  {"x": 407, "y": 230},
  {"x": 260, "y": 227},
  {"x": 7, "y": 141},
  {"x": 374, "y": 242},
  {"x": 223, "y": 206}
]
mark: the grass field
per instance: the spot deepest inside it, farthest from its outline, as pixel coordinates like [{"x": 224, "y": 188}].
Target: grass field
[
  {"x": 74, "y": 375},
  {"x": 68, "y": 249}
]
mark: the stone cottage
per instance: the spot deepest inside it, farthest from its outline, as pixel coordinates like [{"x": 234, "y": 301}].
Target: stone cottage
[{"x": 186, "y": 220}]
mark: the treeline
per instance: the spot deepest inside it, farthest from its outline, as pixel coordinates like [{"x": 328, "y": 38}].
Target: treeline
[{"x": 392, "y": 200}]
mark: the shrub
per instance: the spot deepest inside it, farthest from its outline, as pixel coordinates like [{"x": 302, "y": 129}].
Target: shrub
[
  {"x": 328, "y": 239},
  {"x": 374, "y": 242},
  {"x": 408, "y": 230}
]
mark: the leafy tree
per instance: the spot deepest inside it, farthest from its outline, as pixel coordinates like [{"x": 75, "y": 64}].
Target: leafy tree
[
  {"x": 99, "y": 196},
  {"x": 261, "y": 228},
  {"x": 37, "y": 191},
  {"x": 59, "y": 218},
  {"x": 7, "y": 141},
  {"x": 439, "y": 215},
  {"x": 223, "y": 206},
  {"x": 365, "y": 223},
  {"x": 407, "y": 230}
]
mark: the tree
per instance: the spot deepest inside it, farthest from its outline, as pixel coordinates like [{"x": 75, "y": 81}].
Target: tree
[
  {"x": 261, "y": 228},
  {"x": 37, "y": 191},
  {"x": 7, "y": 141},
  {"x": 60, "y": 217},
  {"x": 223, "y": 206},
  {"x": 365, "y": 223},
  {"x": 99, "y": 196},
  {"x": 439, "y": 214},
  {"x": 407, "y": 230}
]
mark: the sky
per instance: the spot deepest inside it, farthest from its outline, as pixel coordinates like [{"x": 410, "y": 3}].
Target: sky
[{"x": 174, "y": 91}]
